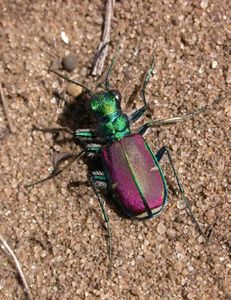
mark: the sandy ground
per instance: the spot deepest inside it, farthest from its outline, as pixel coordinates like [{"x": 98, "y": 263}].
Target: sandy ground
[{"x": 57, "y": 232}]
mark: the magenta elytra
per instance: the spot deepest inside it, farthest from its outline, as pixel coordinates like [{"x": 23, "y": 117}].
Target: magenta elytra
[{"x": 136, "y": 177}]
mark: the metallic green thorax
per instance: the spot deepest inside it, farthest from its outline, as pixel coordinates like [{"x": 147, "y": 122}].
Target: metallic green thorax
[{"x": 113, "y": 124}]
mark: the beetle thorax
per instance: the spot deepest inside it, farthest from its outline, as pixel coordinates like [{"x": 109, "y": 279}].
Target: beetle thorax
[{"x": 115, "y": 128}]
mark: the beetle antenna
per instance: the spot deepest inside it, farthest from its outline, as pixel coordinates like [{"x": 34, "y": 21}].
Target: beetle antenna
[
  {"x": 106, "y": 84},
  {"x": 72, "y": 81}
]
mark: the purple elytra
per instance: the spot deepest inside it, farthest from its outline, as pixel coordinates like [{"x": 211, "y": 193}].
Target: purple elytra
[{"x": 134, "y": 175}]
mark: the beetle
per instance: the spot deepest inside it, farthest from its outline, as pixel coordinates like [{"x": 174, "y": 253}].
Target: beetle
[{"x": 130, "y": 169}]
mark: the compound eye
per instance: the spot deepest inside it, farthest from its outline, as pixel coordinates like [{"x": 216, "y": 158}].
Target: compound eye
[
  {"x": 117, "y": 95},
  {"x": 94, "y": 104}
]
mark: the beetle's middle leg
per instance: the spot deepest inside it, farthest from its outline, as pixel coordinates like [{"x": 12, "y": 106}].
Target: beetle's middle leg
[
  {"x": 169, "y": 121},
  {"x": 56, "y": 170},
  {"x": 93, "y": 149},
  {"x": 139, "y": 112},
  {"x": 159, "y": 155},
  {"x": 93, "y": 181}
]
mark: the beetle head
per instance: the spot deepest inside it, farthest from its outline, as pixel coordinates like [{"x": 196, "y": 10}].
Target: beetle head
[{"x": 105, "y": 104}]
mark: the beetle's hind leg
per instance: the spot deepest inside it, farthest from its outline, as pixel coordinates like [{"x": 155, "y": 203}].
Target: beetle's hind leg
[
  {"x": 159, "y": 155},
  {"x": 94, "y": 182},
  {"x": 99, "y": 179}
]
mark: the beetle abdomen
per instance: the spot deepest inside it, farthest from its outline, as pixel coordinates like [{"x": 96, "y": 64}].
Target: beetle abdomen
[{"x": 135, "y": 176}]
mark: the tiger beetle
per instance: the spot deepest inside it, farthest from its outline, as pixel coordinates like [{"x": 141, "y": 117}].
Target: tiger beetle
[{"x": 131, "y": 171}]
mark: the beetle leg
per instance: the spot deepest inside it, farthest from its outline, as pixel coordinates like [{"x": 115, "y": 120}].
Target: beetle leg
[
  {"x": 159, "y": 155},
  {"x": 93, "y": 149},
  {"x": 90, "y": 135},
  {"x": 56, "y": 171},
  {"x": 85, "y": 134},
  {"x": 178, "y": 118},
  {"x": 142, "y": 130},
  {"x": 100, "y": 179},
  {"x": 173, "y": 120},
  {"x": 52, "y": 130},
  {"x": 133, "y": 117},
  {"x": 139, "y": 112},
  {"x": 106, "y": 219},
  {"x": 55, "y": 132}
]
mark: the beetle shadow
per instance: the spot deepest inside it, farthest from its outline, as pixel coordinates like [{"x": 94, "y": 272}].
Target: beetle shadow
[{"x": 75, "y": 116}]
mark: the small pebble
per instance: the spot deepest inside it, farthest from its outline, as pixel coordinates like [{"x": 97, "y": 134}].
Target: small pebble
[
  {"x": 200, "y": 239},
  {"x": 214, "y": 64},
  {"x": 56, "y": 64},
  {"x": 55, "y": 85},
  {"x": 204, "y": 4},
  {"x": 50, "y": 170},
  {"x": 53, "y": 100},
  {"x": 74, "y": 90},
  {"x": 59, "y": 111},
  {"x": 190, "y": 268},
  {"x": 2, "y": 284},
  {"x": 43, "y": 254},
  {"x": 228, "y": 111},
  {"x": 161, "y": 228},
  {"x": 69, "y": 62},
  {"x": 228, "y": 75},
  {"x": 64, "y": 37},
  {"x": 171, "y": 233},
  {"x": 227, "y": 286},
  {"x": 181, "y": 204}
]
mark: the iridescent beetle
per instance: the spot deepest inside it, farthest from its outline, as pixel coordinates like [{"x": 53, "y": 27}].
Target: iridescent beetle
[{"x": 130, "y": 169}]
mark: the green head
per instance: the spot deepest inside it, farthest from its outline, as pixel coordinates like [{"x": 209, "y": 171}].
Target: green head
[
  {"x": 105, "y": 104},
  {"x": 106, "y": 108}
]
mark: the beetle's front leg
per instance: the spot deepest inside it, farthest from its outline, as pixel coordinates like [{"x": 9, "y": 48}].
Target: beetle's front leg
[
  {"x": 133, "y": 117},
  {"x": 91, "y": 137},
  {"x": 55, "y": 131},
  {"x": 85, "y": 135},
  {"x": 139, "y": 112},
  {"x": 52, "y": 130}
]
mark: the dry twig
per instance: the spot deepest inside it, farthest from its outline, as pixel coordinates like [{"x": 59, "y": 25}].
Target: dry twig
[
  {"x": 5, "y": 107},
  {"x": 103, "y": 46},
  {"x": 9, "y": 252}
]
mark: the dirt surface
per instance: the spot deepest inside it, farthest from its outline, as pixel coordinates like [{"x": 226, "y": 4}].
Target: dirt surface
[{"x": 57, "y": 232}]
